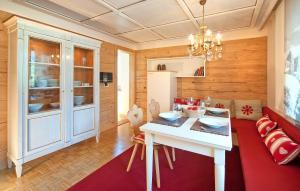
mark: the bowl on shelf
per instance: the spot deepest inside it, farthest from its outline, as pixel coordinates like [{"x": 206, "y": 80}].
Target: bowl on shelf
[
  {"x": 53, "y": 82},
  {"x": 76, "y": 83},
  {"x": 41, "y": 83},
  {"x": 78, "y": 100},
  {"x": 54, "y": 105},
  {"x": 170, "y": 116},
  {"x": 35, "y": 107}
]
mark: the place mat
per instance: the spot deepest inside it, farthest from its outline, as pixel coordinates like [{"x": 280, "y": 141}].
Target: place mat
[
  {"x": 198, "y": 126},
  {"x": 177, "y": 123},
  {"x": 209, "y": 113}
]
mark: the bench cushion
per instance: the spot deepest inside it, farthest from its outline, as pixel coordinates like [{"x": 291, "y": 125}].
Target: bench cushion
[{"x": 260, "y": 171}]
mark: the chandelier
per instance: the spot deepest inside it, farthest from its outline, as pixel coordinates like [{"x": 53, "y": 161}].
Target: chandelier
[{"x": 205, "y": 43}]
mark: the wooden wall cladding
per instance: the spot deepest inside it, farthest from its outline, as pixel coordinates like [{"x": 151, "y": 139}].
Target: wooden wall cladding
[
  {"x": 241, "y": 74},
  {"x": 3, "y": 96},
  {"x": 108, "y": 97}
]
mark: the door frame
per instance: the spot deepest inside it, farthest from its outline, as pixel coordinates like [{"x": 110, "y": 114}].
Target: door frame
[{"x": 131, "y": 81}]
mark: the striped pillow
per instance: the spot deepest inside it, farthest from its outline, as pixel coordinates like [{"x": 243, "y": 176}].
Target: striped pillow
[
  {"x": 265, "y": 125},
  {"x": 281, "y": 147}
]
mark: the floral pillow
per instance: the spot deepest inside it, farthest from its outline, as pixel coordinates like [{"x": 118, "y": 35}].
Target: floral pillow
[{"x": 248, "y": 109}]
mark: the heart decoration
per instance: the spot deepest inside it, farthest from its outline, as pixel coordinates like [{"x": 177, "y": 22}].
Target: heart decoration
[
  {"x": 135, "y": 115},
  {"x": 272, "y": 140},
  {"x": 282, "y": 151}
]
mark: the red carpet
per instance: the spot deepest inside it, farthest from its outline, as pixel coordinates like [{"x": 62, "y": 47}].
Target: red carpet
[{"x": 191, "y": 172}]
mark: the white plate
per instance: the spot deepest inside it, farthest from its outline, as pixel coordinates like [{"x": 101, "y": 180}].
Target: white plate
[
  {"x": 170, "y": 116},
  {"x": 216, "y": 110},
  {"x": 213, "y": 122}
]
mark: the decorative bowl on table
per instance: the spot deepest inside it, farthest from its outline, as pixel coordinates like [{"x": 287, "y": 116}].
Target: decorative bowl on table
[
  {"x": 53, "y": 82},
  {"x": 213, "y": 122},
  {"x": 191, "y": 111},
  {"x": 35, "y": 107},
  {"x": 54, "y": 105},
  {"x": 216, "y": 110},
  {"x": 41, "y": 83},
  {"x": 78, "y": 100},
  {"x": 170, "y": 116}
]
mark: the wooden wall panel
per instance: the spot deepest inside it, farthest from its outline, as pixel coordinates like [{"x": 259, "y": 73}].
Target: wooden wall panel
[
  {"x": 241, "y": 74},
  {"x": 3, "y": 96},
  {"x": 108, "y": 95},
  {"x": 108, "y": 114}
]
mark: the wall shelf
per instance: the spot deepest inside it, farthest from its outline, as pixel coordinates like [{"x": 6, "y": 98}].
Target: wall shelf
[{"x": 184, "y": 67}]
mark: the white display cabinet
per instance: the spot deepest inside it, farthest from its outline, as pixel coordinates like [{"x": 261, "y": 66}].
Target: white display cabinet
[{"x": 53, "y": 90}]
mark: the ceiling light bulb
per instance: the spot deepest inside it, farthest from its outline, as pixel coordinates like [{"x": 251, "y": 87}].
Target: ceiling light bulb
[
  {"x": 208, "y": 33},
  {"x": 191, "y": 39}
]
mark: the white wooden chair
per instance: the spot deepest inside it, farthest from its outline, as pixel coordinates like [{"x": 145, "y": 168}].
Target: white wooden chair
[
  {"x": 135, "y": 117},
  {"x": 154, "y": 109}
]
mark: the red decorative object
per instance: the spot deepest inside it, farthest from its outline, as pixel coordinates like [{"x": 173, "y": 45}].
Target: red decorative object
[
  {"x": 281, "y": 147},
  {"x": 180, "y": 101},
  {"x": 219, "y": 105},
  {"x": 192, "y": 108},
  {"x": 265, "y": 125},
  {"x": 247, "y": 110}
]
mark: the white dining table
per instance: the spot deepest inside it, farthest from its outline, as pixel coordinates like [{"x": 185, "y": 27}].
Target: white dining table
[{"x": 207, "y": 144}]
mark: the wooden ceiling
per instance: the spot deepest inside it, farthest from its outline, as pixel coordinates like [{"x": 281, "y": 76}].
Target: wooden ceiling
[{"x": 142, "y": 21}]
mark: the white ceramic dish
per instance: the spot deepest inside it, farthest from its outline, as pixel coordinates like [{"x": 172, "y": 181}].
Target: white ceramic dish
[
  {"x": 53, "y": 82},
  {"x": 77, "y": 83},
  {"x": 216, "y": 110},
  {"x": 213, "y": 122},
  {"x": 41, "y": 83},
  {"x": 35, "y": 107},
  {"x": 78, "y": 100},
  {"x": 170, "y": 116},
  {"x": 54, "y": 105}
]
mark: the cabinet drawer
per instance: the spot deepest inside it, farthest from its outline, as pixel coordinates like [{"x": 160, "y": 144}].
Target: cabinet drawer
[
  {"x": 44, "y": 131},
  {"x": 83, "y": 121}
]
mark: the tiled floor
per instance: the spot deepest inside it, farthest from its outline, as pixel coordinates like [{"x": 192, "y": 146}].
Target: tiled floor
[{"x": 60, "y": 170}]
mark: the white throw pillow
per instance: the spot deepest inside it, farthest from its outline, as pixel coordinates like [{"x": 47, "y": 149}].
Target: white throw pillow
[{"x": 248, "y": 109}]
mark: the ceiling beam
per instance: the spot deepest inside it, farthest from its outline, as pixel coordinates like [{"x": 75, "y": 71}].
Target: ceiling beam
[
  {"x": 187, "y": 11},
  {"x": 120, "y": 13},
  {"x": 265, "y": 12},
  {"x": 259, "y": 4}
]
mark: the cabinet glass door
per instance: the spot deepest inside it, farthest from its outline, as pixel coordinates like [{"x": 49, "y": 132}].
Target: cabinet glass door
[
  {"x": 83, "y": 76},
  {"x": 43, "y": 75}
]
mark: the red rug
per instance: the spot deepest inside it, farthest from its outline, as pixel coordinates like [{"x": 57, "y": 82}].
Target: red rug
[{"x": 191, "y": 172}]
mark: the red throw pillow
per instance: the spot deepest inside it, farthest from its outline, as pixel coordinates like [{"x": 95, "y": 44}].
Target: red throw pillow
[
  {"x": 281, "y": 147},
  {"x": 265, "y": 125}
]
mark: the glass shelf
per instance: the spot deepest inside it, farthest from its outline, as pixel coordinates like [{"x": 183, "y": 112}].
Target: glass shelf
[
  {"x": 83, "y": 86},
  {"x": 83, "y": 67},
  {"x": 45, "y": 64},
  {"x": 43, "y": 88}
]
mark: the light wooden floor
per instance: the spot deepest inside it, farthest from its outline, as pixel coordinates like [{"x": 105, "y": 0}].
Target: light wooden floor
[{"x": 60, "y": 170}]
